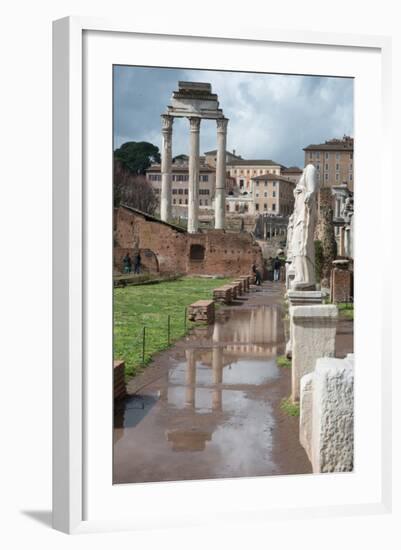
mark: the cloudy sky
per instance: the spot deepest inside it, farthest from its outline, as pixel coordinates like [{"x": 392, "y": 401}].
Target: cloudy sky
[{"x": 271, "y": 116}]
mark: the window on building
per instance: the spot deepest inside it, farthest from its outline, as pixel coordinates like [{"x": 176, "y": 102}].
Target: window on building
[
  {"x": 257, "y": 183},
  {"x": 337, "y": 156},
  {"x": 185, "y": 191},
  {"x": 326, "y": 166},
  {"x": 337, "y": 177},
  {"x": 179, "y": 201},
  {"x": 180, "y": 191},
  {"x": 241, "y": 184},
  {"x": 204, "y": 177},
  {"x": 186, "y": 201},
  {"x": 265, "y": 206},
  {"x": 350, "y": 177},
  {"x": 257, "y": 195},
  {"x": 266, "y": 183},
  {"x": 317, "y": 166},
  {"x": 206, "y": 202},
  {"x": 274, "y": 193},
  {"x": 274, "y": 207},
  {"x": 326, "y": 177},
  {"x": 256, "y": 207},
  {"x": 197, "y": 252},
  {"x": 337, "y": 166},
  {"x": 200, "y": 202},
  {"x": 318, "y": 154},
  {"x": 174, "y": 191},
  {"x": 174, "y": 201},
  {"x": 351, "y": 156},
  {"x": 327, "y": 155},
  {"x": 310, "y": 155},
  {"x": 236, "y": 207},
  {"x": 254, "y": 172},
  {"x": 265, "y": 194}
]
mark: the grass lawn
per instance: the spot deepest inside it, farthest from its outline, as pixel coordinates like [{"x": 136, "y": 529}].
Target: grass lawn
[
  {"x": 148, "y": 306},
  {"x": 346, "y": 310}
]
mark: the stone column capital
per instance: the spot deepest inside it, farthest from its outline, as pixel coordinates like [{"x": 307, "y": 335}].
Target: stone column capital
[
  {"x": 222, "y": 124},
  {"x": 167, "y": 123},
  {"x": 194, "y": 124}
]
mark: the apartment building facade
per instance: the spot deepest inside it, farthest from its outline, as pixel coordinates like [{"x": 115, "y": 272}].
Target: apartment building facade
[{"x": 334, "y": 161}]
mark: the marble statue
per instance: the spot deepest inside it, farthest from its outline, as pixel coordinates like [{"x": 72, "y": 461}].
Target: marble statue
[{"x": 304, "y": 220}]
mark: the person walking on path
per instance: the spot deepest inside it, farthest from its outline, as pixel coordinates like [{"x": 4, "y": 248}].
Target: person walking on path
[
  {"x": 276, "y": 268},
  {"x": 137, "y": 265},
  {"x": 258, "y": 276},
  {"x": 127, "y": 263}
]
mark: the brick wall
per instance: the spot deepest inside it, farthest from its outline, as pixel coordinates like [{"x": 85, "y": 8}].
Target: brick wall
[{"x": 224, "y": 253}]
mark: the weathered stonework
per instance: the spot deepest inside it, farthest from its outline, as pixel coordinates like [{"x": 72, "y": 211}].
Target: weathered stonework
[
  {"x": 327, "y": 415},
  {"x": 202, "y": 310},
  {"x": 169, "y": 248},
  {"x": 340, "y": 282},
  {"x": 313, "y": 334},
  {"x": 223, "y": 295}
]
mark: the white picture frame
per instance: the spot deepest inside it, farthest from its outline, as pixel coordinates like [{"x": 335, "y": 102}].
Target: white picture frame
[{"x": 74, "y": 475}]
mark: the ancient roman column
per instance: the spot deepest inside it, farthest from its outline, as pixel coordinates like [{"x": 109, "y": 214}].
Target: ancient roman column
[
  {"x": 193, "y": 184},
  {"x": 165, "y": 198},
  {"x": 220, "y": 196}
]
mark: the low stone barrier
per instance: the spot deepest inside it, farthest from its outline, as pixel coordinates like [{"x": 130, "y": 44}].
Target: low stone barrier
[
  {"x": 327, "y": 415},
  {"x": 313, "y": 335},
  {"x": 240, "y": 286},
  {"x": 119, "y": 390},
  {"x": 223, "y": 294},
  {"x": 246, "y": 280},
  {"x": 202, "y": 310}
]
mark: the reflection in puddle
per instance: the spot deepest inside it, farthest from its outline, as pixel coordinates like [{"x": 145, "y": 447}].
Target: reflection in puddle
[{"x": 213, "y": 401}]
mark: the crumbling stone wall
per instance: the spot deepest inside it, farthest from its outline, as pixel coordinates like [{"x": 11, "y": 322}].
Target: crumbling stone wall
[
  {"x": 324, "y": 233},
  {"x": 225, "y": 253}
]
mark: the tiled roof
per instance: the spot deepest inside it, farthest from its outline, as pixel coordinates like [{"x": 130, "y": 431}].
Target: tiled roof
[
  {"x": 346, "y": 144},
  {"x": 253, "y": 162},
  {"x": 272, "y": 177}
]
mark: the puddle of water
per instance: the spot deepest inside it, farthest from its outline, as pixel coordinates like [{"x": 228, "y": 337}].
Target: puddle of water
[{"x": 210, "y": 415}]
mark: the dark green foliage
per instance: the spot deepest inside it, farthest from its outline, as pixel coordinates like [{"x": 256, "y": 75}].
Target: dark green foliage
[
  {"x": 319, "y": 259},
  {"x": 137, "y": 156}
]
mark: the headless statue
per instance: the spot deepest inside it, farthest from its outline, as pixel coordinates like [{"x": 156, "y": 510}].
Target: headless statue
[{"x": 304, "y": 221}]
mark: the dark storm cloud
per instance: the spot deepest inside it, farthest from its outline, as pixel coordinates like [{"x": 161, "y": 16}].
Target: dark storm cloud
[{"x": 271, "y": 116}]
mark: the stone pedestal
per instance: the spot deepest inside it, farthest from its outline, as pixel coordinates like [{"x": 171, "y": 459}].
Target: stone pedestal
[
  {"x": 220, "y": 196},
  {"x": 301, "y": 298},
  {"x": 223, "y": 295},
  {"x": 313, "y": 335},
  {"x": 327, "y": 415},
  {"x": 340, "y": 282},
  {"x": 166, "y": 161},
  {"x": 193, "y": 183},
  {"x": 202, "y": 310}
]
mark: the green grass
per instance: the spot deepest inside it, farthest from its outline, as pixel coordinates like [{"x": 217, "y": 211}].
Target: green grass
[
  {"x": 282, "y": 361},
  {"x": 149, "y": 306},
  {"x": 289, "y": 407},
  {"x": 346, "y": 310}
]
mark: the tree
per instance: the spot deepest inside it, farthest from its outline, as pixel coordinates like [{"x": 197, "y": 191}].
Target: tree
[
  {"x": 137, "y": 156},
  {"x": 133, "y": 190}
]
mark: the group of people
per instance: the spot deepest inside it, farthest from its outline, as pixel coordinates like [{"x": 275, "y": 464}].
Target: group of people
[
  {"x": 127, "y": 263},
  {"x": 276, "y": 264}
]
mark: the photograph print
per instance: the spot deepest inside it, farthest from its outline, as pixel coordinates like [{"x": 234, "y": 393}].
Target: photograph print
[{"x": 233, "y": 265}]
